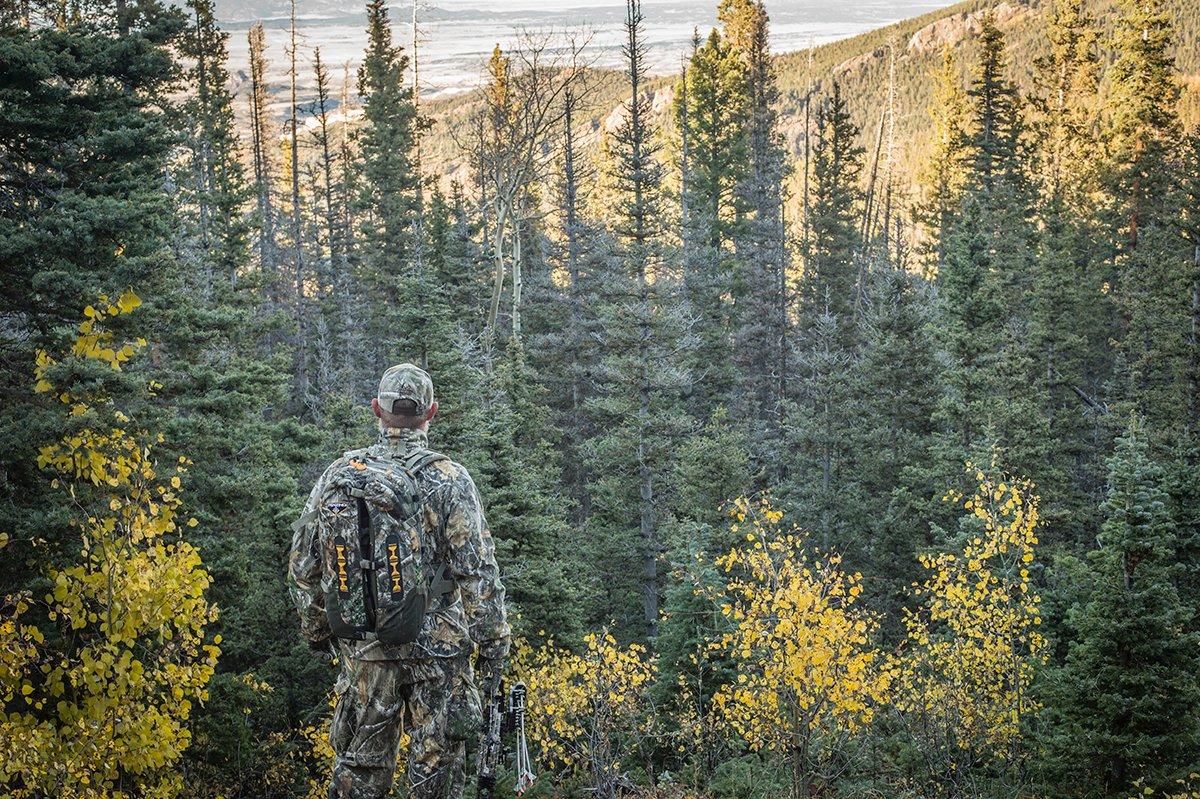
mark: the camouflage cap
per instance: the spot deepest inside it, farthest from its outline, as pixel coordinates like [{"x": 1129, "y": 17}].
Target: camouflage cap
[{"x": 406, "y": 381}]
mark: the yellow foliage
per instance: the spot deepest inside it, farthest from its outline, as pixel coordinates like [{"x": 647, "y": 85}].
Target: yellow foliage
[
  {"x": 973, "y": 647},
  {"x": 1188, "y": 788},
  {"x": 578, "y": 702},
  {"x": 802, "y": 648},
  {"x": 100, "y": 707}
]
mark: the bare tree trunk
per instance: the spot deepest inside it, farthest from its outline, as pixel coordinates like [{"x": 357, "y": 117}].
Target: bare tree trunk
[
  {"x": 501, "y": 210},
  {"x": 301, "y": 358},
  {"x": 518, "y": 281},
  {"x": 260, "y": 136}
]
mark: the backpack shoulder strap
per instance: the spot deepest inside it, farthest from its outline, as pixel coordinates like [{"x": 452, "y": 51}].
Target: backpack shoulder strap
[{"x": 419, "y": 459}]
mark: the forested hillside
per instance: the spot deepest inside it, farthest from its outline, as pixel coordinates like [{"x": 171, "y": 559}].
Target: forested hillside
[
  {"x": 837, "y": 423},
  {"x": 875, "y": 84}
]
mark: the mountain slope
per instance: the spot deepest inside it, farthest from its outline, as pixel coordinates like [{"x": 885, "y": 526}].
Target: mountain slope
[{"x": 861, "y": 65}]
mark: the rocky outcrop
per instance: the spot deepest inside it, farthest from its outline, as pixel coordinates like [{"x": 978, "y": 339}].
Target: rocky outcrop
[
  {"x": 949, "y": 31},
  {"x": 852, "y": 64}
]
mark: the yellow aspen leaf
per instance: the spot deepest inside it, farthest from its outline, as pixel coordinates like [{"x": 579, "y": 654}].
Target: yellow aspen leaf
[{"x": 128, "y": 301}]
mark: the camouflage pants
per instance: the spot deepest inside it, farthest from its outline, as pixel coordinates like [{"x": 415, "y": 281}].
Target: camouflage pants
[{"x": 435, "y": 702}]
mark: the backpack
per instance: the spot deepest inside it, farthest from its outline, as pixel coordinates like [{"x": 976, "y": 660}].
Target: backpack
[{"x": 378, "y": 555}]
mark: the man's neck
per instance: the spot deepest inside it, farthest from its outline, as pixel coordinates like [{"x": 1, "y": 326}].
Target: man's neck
[{"x": 404, "y": 437}]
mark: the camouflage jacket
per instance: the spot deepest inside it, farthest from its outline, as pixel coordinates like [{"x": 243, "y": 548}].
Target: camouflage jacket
[{"x": 454, "y": 521}]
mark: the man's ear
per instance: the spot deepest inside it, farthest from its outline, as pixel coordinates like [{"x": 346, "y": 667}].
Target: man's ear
[
  {"x": 432, "y": 411},
  {"x": 375, "y": 407}
]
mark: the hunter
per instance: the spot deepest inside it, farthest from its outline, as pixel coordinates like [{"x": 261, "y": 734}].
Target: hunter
[{"x": 393, "y": 570}]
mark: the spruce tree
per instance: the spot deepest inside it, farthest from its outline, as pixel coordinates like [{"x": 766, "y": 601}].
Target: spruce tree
[
  {"x": 717, "y": 103},
  {"x": 762, "y": 327},
  {"x": 513, "y": 454},
  {"x": 1069, "y": 315},
  {"x": 215, "y": 385},
  {"x": 571, "y": 337},
  {"x": 1131, "y": 692},
  {"x": 992, "y": 397},
  {"x": 897, "y": 375},
  {"x": 84, "y": 104},
  {"x": 993, "y": 140},
  {"x": 388, "y": 201},
  {"x": 1154, "y": 267},
  {"x": 831, "y": 267},
  {"x": 821, "y": 483},
  {"x": 943, "y": 173},
  {"x": 638, "y": 382},
  {"x": 213, "y": 186},
  {"x": 262, "y": 136}
]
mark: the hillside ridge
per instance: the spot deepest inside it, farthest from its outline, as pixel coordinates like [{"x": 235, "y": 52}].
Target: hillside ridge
[{"x": 860, "y": 64}]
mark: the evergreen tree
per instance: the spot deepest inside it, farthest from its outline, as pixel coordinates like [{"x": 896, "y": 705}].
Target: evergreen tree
[
  {"x": 638, "y": 382},
  {"x": 1130, "y": 679},
  {"x": 821, "y": 483},
  {"x": 456, "y": 261},
  {"x": 1064, "y": 104},
  {"x": 994, "y": 139},
  {"x": 712, "y": 468},
  {"x": 213, "y": 183},
  {"x": 388, "y": 201},
  {"x": 992, "y": 398},
  {"x": 830, "y": 265},
  {"x": 716, "y": 102},
  {"x": 263, "y": 158},
  {"x": 1068, "y": 313},
  {"x": 514, "y": 443},
  {"x": 570, "y": 341},
  {"x": 762, "y": 331},
  {"x": 943, "y": 173},
  {"x": 897, "y": 375},
  {"x": 84, "y": 147},
  {"x": 1155, "y": 265}
]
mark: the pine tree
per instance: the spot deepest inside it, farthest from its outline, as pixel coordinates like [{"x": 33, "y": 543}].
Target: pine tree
[
  {"x": 387, "y": 201},
  {"x": 83, "y": 113},
  {"x": 715, "y": 96},
  {"x": 712, "y": 469},
  {"x": 638, "y": 382},
  {"x": 1068, "y": 312},
  {"x": 993, "y": 140},
  {"x": 1131, "y": 690},
  {"x": 897, "y": 375},
  {"x": 820, "y": 482},
  {"x": 515, "y": 445},
  {"x": 992, "y": 397},
  {"x": 1155, "y": 265},
  {"x": 333, "y": 249},
  {"x": 943, "y": 174},
  {"x": 213, "y": 181},
  {"x": 762, "y": 327},
  {"x": 456, "y": 260},
  {"x": 570, "y": 327},
  {"x": 1143, "y": 122},
  {"x": 1064, "y": 103},
  {"x": 831, "y": 269}
]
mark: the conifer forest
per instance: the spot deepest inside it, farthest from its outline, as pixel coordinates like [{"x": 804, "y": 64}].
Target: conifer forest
[{"x": 836, "y": 413}]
